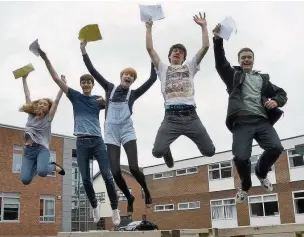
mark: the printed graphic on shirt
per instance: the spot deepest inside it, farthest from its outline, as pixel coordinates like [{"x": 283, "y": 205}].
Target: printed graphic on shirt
[{"x": 178, "y": 82}]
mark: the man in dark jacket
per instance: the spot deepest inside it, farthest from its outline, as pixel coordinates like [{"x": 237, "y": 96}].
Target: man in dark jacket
[{"x": 253, "y": 109}]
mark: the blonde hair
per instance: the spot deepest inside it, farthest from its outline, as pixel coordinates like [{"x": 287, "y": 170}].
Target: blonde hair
[
  {"x": 32, "y": 107},
  {"x": 129, "y": 70}
]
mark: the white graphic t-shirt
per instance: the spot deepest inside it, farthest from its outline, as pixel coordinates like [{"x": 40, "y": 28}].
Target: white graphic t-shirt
[{"x": 177, "y": 82}]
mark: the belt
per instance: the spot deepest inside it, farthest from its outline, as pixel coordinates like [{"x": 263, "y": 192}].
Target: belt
[
  {"x": 87, "y": 137},
  {"x": 180, "y": 113}
]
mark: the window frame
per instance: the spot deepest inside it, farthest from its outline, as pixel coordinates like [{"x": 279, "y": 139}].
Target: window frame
[
  {"x": 170, "y": 176},
  {"x": 17, "y": 148},
  {"x": 262, "y": 196},
  {"x": 294, "y": 203},
  {"x": 47, "y": 198},
  {"x": 219, "y": 169},
  {"x": 223, "y": 205},
  {"x": 187, "y": 172},
  {"x": 188, "y": 208},
  {"x": 163, "y": 205},
  {"x": 4, "y": 196},
  {"x": 290, "y": 156}
]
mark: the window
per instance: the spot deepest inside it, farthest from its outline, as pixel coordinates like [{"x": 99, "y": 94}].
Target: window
[
  {"x": 166, "y": 207},
  {"x": 295, "y": 160},
  {"x": 163, "y": 175},
  {"x": 121, "y": 196},
  {"x": 47, "y": 209},
  {"x": 298, "y": 199},
  {"x": 191, "y": 170},
  {"x": 17, "y": 159},
  {"x": 9, "y": 207},
  {"x": 266, "y": 205},
  {"x": 254, "y": 160},
  {"x": 221, "y": 170},
  {"x": 53, "y": 159},
  {"x": 189, "y": 205},
  {"x": 101, "y": 196},
  {"x": 223, "y": 209}
]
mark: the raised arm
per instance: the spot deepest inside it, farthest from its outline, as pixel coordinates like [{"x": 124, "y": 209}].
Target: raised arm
[
  {"x": 144, "y": 87},
  {"x": 223, "y": 67},
  {"x": 56, "y": 102},
  {"x": 201, "y": 21},
  {"x": 98, "y": 77},
  {"x": 53, "y": 73},
  {"x": 26, "y": 90},
  {"x": 149, "y": 44}
]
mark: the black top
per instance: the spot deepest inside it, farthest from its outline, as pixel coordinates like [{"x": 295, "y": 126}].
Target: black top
[{"x": 121, "y": 93}]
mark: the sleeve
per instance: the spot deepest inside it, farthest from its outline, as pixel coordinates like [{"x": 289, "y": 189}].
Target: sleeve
[
  {"x": 72, "y": 94},
  {"x": 193, "y": 66},
  {"x": 160, "y": 70}
]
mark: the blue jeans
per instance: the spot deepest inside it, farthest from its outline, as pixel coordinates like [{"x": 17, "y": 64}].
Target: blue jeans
[
  {"x": 36, "y": 160},
  {"x": 87, "y": 148}
]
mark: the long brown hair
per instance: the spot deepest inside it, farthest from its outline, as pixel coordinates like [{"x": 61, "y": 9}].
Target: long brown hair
[{"x": 32, "y": 107}]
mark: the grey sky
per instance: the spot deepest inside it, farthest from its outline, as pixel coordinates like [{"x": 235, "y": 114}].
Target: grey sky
[{"x": 272, "y": 29}]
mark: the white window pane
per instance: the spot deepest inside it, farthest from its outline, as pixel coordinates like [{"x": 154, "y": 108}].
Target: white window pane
[
  {"x": 299, "y": 195},
  {"x": 255, "y": 199},
  {"x": 256, "y": 209},
  {"x": 49, "y": 207},
  {"x": 216, "y": 203},
  {"x": 271, "y": 208},
  {"x": 180, "y": 172},
  {"x": 229, "y": 201},
  {"x": 214, "y": 166},
  {"x": 217, "y": 212},
  {"x": 159, "y": 208},
  {"x": 226, "y": 173},
  {"x": 214, "y": 174},
  {"x": 11, "y": 200},
  {"x": 270, "y": 198},
  {"x": 230, "y": 211},
  {"x": 226, "y": 164},
  {"x": 192, "y": 170},
  {"x": 183, "y": 206},
  {"x": 169, "y": 207},
  {"x": 299, "y": 205},
  {"x": 17, "y": 161}
]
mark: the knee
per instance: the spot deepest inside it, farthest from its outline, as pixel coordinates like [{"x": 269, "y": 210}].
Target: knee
[
  {"x": 42, "y": 172},
  {"x": 158, "y": 153},
  {"x": 107, "y": 174},
  {"x": 209, "y": 152},
  {"x": 277, "y": 149},
  {"x": 26, "y": 181}
]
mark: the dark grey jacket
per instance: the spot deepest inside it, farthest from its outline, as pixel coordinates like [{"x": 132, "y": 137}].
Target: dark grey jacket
[{"x": 234, "y": 77}]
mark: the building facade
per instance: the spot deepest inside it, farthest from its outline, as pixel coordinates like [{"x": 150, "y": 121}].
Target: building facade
[
  {"x": 34, "y": 209},
  {"x": 106, "y": 211},
  {"x": 199, "y": 192}
]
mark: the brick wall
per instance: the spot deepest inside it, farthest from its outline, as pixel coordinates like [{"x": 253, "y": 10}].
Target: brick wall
[
  {"x": 139, "y": 207},
  {"x": 30, "y": 194},
  {"x": 194, "y": 187}
]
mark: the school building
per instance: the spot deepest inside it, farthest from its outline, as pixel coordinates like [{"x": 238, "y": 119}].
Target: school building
[{"x": 199, "y": 192}]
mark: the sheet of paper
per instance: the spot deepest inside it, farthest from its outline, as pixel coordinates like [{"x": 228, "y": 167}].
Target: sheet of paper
[
  {"x": 151, "y": 12},
  {"x": 90, "y": 33},
  {"x": 227, "y": 28},
  {"x": 21, "y": 72},
  {"x": 34, "y": 47}
]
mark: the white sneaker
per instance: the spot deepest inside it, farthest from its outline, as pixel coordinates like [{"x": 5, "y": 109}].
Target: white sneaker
[
  {"x": 96, "y": 213},
  {"x": 241, "y": 196},
  {"x": 266, "y": 185},
  {"x": 116, "y": 217}
]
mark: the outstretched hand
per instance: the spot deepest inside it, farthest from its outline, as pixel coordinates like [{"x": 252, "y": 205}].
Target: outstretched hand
[
  {"x": 101, "y": 100},
  {"x": 63, "y": 79},
  {"x": 200, "y": 20},
  {"x": 41, "y": 53},
  {"x": 217, "y": 30},
  {"x": 149, "y": 23},
  {"x": 83, "y": 44}
]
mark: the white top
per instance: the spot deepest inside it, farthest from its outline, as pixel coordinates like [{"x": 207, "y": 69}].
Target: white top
[{"x": 177, "y": 82}]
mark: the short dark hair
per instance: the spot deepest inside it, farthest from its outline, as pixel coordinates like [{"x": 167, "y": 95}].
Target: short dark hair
[
  {"x": 245, "y": 50},
  {"x": 178, "y": 46},
  {"x": 86, "y": 77}
]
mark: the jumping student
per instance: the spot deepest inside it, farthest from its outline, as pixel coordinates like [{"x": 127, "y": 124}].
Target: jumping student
[
  {"x": 177, "y": 87},
  {"x": 89, "y": 142},
  {"x": 119, "y": 129},
  {"x": 36, "y": 153},
  {"x": 252, "y": 112}
]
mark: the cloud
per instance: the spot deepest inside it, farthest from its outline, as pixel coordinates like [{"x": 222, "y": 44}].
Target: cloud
[{"x": 271, "y": 29}]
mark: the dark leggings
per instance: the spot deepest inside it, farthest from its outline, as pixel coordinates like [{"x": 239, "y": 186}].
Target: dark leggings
[{"x": 114, "y": 157}]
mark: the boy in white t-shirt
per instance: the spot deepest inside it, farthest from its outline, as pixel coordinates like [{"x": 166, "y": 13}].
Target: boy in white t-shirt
[{"x": 178, "y": 91}]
